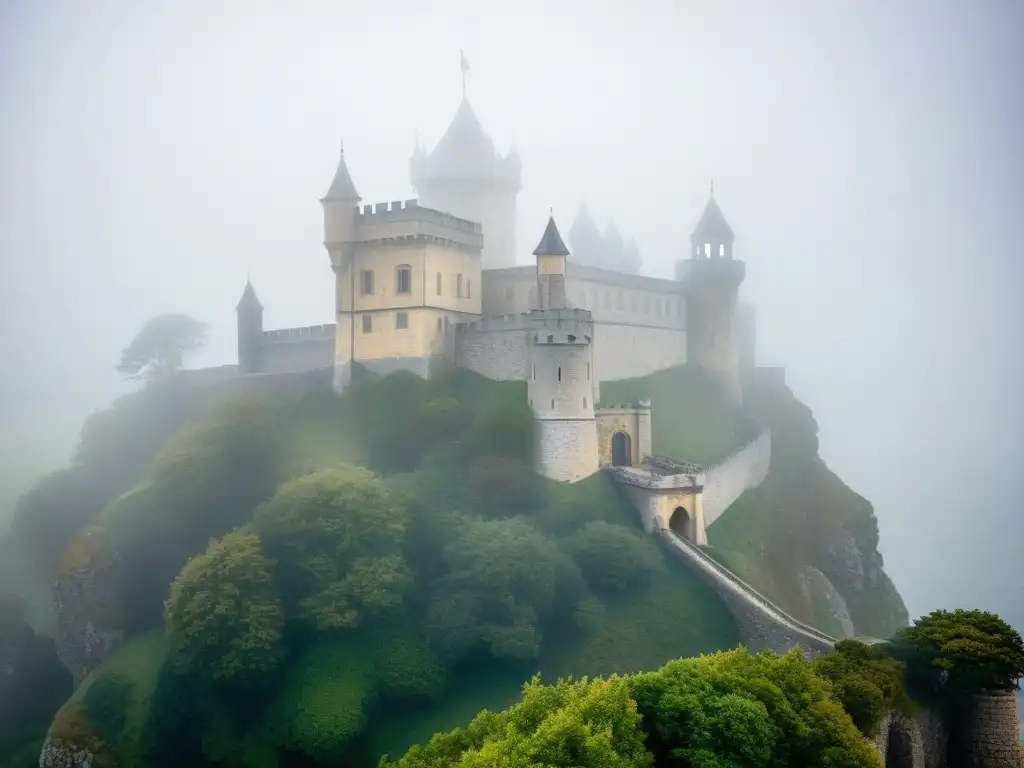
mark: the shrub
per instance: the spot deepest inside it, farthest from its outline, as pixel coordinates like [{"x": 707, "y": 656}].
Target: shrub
[
  {"x": 614, "y": 558},
  {"x": 867, "y": 683}
]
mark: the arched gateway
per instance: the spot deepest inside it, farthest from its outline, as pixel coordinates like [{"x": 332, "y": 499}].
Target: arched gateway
[{"x": 621, "y": 453}]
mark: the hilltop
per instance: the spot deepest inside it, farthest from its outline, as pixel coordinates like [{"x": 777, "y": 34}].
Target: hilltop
[{"x": 444, "y": 466}]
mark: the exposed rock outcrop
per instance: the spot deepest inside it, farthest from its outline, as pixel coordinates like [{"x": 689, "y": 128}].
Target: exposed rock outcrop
[
  {"x": 822, "y": 594},
  {"x": 87, "y": 604}
]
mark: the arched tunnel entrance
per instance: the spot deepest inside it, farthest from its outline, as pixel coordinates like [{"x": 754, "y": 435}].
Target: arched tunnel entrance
[
  {"x": 621, "y": 453},
  {"x": 680, "y": 522}
]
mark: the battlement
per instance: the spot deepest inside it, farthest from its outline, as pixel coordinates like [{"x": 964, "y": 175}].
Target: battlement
[
  {"x": 518, "y": 322},
  {"x": 411, "y": 210},
  {"x": 642, "y": 406},
  {"x": 561, "y": 326},
  {"x": 289, "y": 335}
]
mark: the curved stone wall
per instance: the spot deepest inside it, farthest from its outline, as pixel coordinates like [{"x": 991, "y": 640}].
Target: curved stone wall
[
  {"x": 728, "y": 480},
  {"x": 566, "y": 449}
]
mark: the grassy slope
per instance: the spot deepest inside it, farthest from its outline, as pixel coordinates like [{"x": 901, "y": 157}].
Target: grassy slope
[{"x": 691, "y": 420}]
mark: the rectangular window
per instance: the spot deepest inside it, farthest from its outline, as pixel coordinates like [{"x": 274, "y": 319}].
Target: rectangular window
[
  {"x": 438, "y": 283},
  {"x": 458, "y": 285},
  {"x": 401, "y": 320},
  {"x": 469, "y": 289},
  {"x": 366, "y": 282},
  {"x": 403, "y": 280},
  {"x": 367, "y": 323}
]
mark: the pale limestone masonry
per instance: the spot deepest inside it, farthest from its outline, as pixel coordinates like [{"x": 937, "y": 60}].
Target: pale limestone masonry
[
  {"x": 761, "y": 623},
  {"x": 566, "y": 449},
  {"x": 741, "y": 471},
  {"x": 495, "y": 347}
]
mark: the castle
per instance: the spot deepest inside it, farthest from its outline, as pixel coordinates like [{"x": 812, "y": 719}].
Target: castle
[{"x": 434, "y": 281}]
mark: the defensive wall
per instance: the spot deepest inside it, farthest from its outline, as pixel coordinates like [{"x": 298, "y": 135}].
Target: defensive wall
[
  {"x": 407, "y": 219},
  {"x": 495, "y": 347},
  {"x": 739, "y": 472},
  {"x": 294, "y": 350},
  {"x": 762, "y": 624}
]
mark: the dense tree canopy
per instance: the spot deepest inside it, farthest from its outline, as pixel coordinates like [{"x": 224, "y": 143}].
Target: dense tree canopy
[
  {"x": 160, "y": 346},
  {"x": 867, "y": 682},
  {"x": 975, "y": 649}
]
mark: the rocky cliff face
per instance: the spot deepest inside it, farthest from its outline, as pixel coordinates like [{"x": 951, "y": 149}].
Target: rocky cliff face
[{"x": 87, "y": 604}]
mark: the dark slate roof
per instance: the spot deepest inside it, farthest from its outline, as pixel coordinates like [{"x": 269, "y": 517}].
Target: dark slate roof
[
  {"x": 551, "y": 243},
  {"x": 342, "y": 187},
  {"x": 249, "y": 300},
  {"x": 712, "y": 222},
  {"x": 465, "y": 144}
]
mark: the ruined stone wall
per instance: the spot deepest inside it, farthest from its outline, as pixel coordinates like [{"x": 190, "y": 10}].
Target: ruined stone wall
[{"x": 728, "y": 480}]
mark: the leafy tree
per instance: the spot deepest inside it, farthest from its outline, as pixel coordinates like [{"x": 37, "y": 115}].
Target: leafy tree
[
  {"x": 614, "y": 558},
  {"x": 867, "y": 682},
  {"x": 504, "y": 580},
  {"x": 976, "y": 649},
  {"x": 224, "y": 612},
  {"x": 159, "y": 347},
  {"x": 733, "y": 709},
  {"x": 574, "y": 724},
  {"x": 337, "y": 536}
]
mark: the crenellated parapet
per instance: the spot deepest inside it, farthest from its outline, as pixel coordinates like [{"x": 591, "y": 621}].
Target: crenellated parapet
[
  {"x": 496, "y": 323},
  {"x": 292, "y": 335},
  {"x": 408, "y": 220}
]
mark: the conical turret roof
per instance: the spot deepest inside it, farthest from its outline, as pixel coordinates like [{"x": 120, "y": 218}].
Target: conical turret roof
[
  {"x": 551, "y": 242},
  {"x": 249, "y": 301},
  {"x": 712, "y": 224},
  {"x": 465, "y": 145},
  {"x": 342, "y": 187}
]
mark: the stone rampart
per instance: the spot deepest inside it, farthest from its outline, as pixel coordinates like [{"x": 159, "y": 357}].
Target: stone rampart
[
  {"x": 496, "y": 347},
  {"x": 762, "y": 624},
  {"x": 986, "y": 732},
  {"x": 307, "y": 333},
  {"x": 739, "y": 472},
  {"x": 631, "y": 351}
]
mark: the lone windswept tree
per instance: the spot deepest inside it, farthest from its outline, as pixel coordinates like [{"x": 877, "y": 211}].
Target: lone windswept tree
[{"x": 160, "y": 346}]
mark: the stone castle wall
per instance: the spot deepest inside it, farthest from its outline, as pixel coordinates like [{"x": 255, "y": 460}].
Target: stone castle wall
[
  {"x": 987, "y": 733},
  {"x": 728, "y": 480},
  {"x": 631, "y": 351},
  {"x": 566, "y": 449},
  {"x": 496, "y": 347}
]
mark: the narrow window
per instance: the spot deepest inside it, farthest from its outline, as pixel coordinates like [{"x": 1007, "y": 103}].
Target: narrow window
[
  {"x": 367, "y": 323},
  {"x": 458, "y": 285},
  {"x": 533, "y": 373},
  {"x": 366, "y": 282},
  {"x": 469, "y": 289},
  {"x": 438, "y": 283},
  {"x": 584, "y": 402},
  {"x": 552, "y": 402},
  {"x": 559, "y": 373},
  {"x": 401, "y": 320},
  {"x": 588, "y": 371},
  {"x": 403, "y": 279},
  {"x": 721, "y": 249}
]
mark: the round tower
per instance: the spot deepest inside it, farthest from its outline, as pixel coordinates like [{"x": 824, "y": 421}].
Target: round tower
[
  {"x": 250, "y": 330},
  {"x": 711, "y": 279},
  {"x": 466, "y": 177},
  {"x": 561, "y": 386}
]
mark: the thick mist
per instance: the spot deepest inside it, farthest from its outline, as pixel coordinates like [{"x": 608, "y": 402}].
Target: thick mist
[{"x": 868, "y": 156}]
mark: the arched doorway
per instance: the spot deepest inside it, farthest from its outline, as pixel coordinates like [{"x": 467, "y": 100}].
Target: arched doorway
[
  {"x": 621, "y": 453},
  {"x": 681, "y": 523}
]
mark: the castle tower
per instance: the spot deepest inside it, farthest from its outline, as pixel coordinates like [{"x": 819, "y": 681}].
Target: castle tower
[
  {"x": 340, "y": 209},
  {"x": 551, "y": 253},
  {"x": 466, "y": 177},
  {"x": 711, "y": 278},
  {"x": 250, "y": 330},
  {"x": 561, "y": 385}
]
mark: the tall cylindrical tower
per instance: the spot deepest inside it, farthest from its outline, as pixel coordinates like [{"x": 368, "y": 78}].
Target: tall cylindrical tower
[
  {"x": 250, "y": 330},
  {"x": 561, "y": 393},
  {"x": 711, "y": 279}
]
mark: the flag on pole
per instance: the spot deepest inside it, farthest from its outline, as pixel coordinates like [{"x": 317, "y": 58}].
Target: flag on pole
[{"x": 464, "y": 63}]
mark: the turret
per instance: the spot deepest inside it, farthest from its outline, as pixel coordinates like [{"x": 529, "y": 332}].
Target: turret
[
  {"x": 551, "y": 253},
  {"x": 250, "y": 330},
  {"x": 466, "y": 177},
  {"x": 711, "y": 278},
  {"x": 586, "y": 239},
  {"x": 339, "y": 206}
]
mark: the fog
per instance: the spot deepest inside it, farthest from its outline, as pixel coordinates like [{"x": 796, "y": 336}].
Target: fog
[{"x": 867, "y": 154}]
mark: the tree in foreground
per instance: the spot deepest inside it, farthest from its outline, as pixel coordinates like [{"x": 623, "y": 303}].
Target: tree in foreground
[
  {"x": 970, "y": 650},
  {"x": 576, "y": 723},
  {"x": 160, "y": 346}
]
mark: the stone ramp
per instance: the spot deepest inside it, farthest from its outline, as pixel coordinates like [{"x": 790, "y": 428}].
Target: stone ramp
[{"x": 762, "y": 624}]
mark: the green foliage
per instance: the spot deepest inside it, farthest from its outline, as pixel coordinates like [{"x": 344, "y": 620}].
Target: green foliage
[
  {"x": 504, "y": 580},
  {"x": 407, "y": 669},
  {"x": 107, "y": 703},
  {"x": 159, "y": 347},
  {"x": 575, "y": 724},
  {"x": 224, "y": 612},
  {"x": 977, "y": 649},
  {"x": 867, "y": 682},
  {"x": 337, "y": 537},
  {"x": 734, "y": 709},
  {"x": 324, "y": 700},
  {"x": 614, "y": 558}
]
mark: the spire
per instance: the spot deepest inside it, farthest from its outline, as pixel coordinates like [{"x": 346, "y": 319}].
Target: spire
[
  {"x": 342, "y": 187},
  {"x": 249, "y": 302},
  {"x": 712, "y": 226},
  {"x": 464, "y": 66},
  {"x": 551, "y": 242}
]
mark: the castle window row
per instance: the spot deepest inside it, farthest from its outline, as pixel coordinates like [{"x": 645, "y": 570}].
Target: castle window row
[
  {"x": 403, "y": 283},
  {"x": 619, "y": 300},
  {"x": 401, "y": 322}
]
